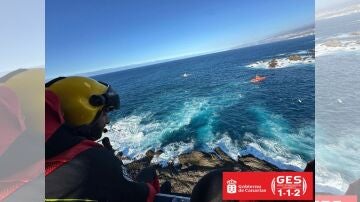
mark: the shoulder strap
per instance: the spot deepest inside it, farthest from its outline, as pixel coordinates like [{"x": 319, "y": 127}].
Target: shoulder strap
[{"x": 57, "y": 161}]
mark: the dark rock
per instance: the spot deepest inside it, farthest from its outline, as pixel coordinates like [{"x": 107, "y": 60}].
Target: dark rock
[
  {"x": 294, "y": 57},
  {"x": 119, "y": 154},
  {"x": 201, "y": 159},
  {"x": 310, "y": 166},
  {"x": 159, "y": 152},
  {"x": 223, "y": 155},
  {"x": 333, "y": 43},
  {"x": 273, "y": 63},
  {"x": 194, "y": 165},
  {"x": 136, "y": 166},
  {"x": 254, "y": 164},
  {"x": 311, "y": 52},
  {"x": 150, "y": 154},
  {"x": 122, "y": 157}
]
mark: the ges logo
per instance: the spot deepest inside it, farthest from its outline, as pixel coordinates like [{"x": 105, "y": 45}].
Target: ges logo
[{"x": 289, "y": 185}]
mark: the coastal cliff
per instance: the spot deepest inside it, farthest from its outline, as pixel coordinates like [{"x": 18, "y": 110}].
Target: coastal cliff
[{"x": 190, "y": 167}]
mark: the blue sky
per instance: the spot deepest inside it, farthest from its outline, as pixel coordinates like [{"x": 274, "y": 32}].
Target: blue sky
[
  {"x": 323, "y": 5},
  {"x": 89, "y": 35},
  {"x": 22, "y": 35}
]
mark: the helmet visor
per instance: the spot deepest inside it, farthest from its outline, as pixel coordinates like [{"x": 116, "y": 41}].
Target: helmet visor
[{"x": 112, "y": 99}]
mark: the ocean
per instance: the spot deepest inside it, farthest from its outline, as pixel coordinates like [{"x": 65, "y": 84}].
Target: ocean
[
  {"x": 337, "y": 103},
  {"x": 208, "y": 101}
]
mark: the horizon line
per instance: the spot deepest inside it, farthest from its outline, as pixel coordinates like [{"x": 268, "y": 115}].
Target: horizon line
[
  {"x": 161, "y": 61},
  {"x": 170, "y": 59}
]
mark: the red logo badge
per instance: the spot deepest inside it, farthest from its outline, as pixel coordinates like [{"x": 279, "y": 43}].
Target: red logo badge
[
  {"x": 331, "y": 198},
  {"x": 268, "y": 186}
]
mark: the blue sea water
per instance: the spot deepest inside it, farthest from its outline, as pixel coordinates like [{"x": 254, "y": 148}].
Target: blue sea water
[
  {"x": 337, "y": 104},
  {"x": 208, "y": 101}
]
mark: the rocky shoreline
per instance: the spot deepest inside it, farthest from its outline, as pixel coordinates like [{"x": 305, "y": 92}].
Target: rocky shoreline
[{"x": 194, "y": 165}]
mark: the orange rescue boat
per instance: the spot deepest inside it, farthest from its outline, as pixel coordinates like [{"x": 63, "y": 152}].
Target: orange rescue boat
[{"x": 257, "y": 79}]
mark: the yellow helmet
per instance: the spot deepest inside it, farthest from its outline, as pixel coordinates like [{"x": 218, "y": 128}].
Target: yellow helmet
[
  {"x": 28, "y": 84},
  {"x": 82, "y": 98}
]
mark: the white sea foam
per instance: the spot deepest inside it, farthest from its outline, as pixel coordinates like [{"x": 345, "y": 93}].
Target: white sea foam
[
  {"x": 134, "y": 136},
  {"x": 281, "y": 63},
  {"x": 275, "y": 143},
  {"x": 275, "y": 153},
  {"x": 128, "y": 135},
  {"x": 302, "y": 52},
  {"x": 329, "y": 181},
  {"x": 280, "y": 158},
  {"x": 335, "y": 155},
  {"x": 133, "y": 145},
  {"x": 226, "y": 144},
  {"x": 333, "y": 46},
  {"x": 171, "y": 152}
]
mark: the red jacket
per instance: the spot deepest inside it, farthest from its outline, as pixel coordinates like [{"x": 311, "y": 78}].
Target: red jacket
[{"x": 17, "y": 169}]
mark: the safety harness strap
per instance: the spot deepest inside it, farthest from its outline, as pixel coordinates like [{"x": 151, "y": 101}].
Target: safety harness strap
[{"x": 57, "y": 161}]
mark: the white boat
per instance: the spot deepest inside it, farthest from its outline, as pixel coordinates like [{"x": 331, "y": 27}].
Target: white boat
[{"x": 185, "y": 75}]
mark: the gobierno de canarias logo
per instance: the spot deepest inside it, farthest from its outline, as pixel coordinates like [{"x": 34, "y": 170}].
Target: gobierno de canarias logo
[{"x": 231, "y": 186}]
